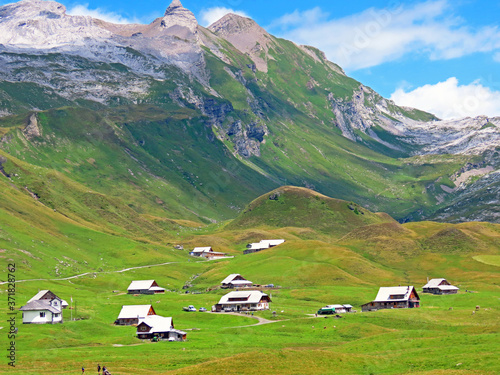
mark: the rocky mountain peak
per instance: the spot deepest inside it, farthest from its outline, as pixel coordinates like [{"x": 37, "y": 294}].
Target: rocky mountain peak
[
  {"x": 247, "y": 36},
  {"x": 232, "y": 24},
  {"x": 173, "y": 5},
  {"x": 178, "y": 16},
  {"x": 33, "y": 8},
  {"x": 44, "y": 24}
]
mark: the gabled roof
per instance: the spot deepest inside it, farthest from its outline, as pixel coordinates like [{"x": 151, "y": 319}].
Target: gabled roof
[
  {"x": 272, "y": 242},
  {"x": 231, "y": 280},
  {"x": 258, "y": 246},
  {"x": 41, "y": 294},
  {"x": 384, "y": 293},
  {"x": 241, "y": 282},
  {"x": 447, "y": 287},
  {"x": 157, "y": 323},
  {"x": 251, "y": 296},
  {"x": 40, "y": 305},
  {"x": 201, "y": 249},
  {"x": 433, "y": 283},
  {"x": 141, "y": 285},
  {"x": 134, "y": 311}
]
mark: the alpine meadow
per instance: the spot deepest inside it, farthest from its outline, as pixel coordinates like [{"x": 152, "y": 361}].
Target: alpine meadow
[{"x": 170, "y": 164}]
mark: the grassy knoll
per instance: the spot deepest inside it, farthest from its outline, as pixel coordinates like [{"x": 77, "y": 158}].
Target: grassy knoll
[{"x": 345, "y": 262}]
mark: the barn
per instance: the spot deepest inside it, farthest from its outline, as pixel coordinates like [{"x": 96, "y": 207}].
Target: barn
[
  {"x": 251, "y": 300},
  {"x": 235, "y": 280},
  {"x": 160, "y": 327},
  {"x": 131, "y": 314},
  {"x": 439, "y": 286},
  {"x": 144, "y": 287},
  {"x": 395, "y": 297}
]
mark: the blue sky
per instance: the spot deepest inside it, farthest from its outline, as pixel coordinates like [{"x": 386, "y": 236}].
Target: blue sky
[{"x": 438, "y": 55}]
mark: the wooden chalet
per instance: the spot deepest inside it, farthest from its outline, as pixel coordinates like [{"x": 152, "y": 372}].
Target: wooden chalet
[
  {"x": 262, "y": 245},
  {"x": 144, "y": 287},
  {"x": 44, "y": 308},
  {"x": 235, "y": 280},
  {"x": 439, "y": 286},
  {"x": 131, "y": 314},
  {"x": 397, "y": 297},
  {"x": 251, "y": 300},
  {"x": 207, "y": 252},
  {"x": 158, "y": 326}
]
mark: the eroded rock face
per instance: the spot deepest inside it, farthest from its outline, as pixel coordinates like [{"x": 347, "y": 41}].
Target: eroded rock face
[
  {"x": 247, "y": 36},
  {"x": 32, "y": 130},
  {"x": 177, "y": 16}
]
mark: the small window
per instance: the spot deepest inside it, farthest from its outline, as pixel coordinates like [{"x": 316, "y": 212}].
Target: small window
[
  {"x": 56, "y": 315},
  {"x": 42, "y": 315}
]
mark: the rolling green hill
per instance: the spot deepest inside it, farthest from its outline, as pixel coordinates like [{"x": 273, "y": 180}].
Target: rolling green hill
[{"x": 344, "y": 262}]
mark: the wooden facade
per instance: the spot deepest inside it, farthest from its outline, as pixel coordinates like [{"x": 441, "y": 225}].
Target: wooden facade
[{"x": 131, "y": 315}]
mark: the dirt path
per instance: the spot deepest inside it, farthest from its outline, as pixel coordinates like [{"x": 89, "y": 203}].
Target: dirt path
[
  {"x": 261, "y": 320},
  {"x": 94, "y": 272}
]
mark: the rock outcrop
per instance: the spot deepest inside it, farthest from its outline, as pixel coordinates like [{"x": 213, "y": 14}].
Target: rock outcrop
[{"x": 247, "y": 36}]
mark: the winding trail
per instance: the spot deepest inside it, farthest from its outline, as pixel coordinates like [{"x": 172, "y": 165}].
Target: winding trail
[
  {"x": 93, "y": 272},
  {"x": 262, "y": 321}
]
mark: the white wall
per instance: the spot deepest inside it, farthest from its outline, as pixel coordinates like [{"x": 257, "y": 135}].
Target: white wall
[{"x": 34, "y": 317}]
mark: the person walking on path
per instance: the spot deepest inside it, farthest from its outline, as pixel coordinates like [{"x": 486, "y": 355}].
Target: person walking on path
[
  {"x": 98, "y": 369},
  {"x": 83, "y": 370}
]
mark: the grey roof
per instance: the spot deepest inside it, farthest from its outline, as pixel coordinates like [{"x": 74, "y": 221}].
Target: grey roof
[
  {"x": 447, "y": 287},
  {"x": 272, "y": 242},
  {"x": 258, "y": 246},
  {"x": 40, "y": 294},
  {"x": 201, "y": 249},
  {"x": 433, "y": 283},
  {"x": 134, "y": 311},
  {"x": 40, "y": 305},
  {"x": 230, "y": 280},
  {"x": 385, "y": 293},
  {"x": 157, "y": 323},
  {"x": 143, "y": 285},
  {"x": 251, "y": 296}
]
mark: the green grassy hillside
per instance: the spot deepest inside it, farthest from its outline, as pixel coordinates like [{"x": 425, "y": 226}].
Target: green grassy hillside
[
  {"x": 344, "y": 262},
  {"x": 185, "y": 150},
  {"x": 290, "y": 206}
]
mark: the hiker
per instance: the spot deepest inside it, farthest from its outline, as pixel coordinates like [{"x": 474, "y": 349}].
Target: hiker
[
  {"x": 98, "y": 369},
  {"x": 83, "y": 370}
]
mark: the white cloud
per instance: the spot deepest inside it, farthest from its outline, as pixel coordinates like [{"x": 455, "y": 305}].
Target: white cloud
[
  {"x": 84, "y": 10},
  {"x": 449, "y": 100},
  {"x": 376, "y": 36},
  {"x": 209, "y": 16}
]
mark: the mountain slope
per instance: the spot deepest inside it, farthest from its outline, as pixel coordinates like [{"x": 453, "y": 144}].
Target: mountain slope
[{"x": 281, "y": 110}]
